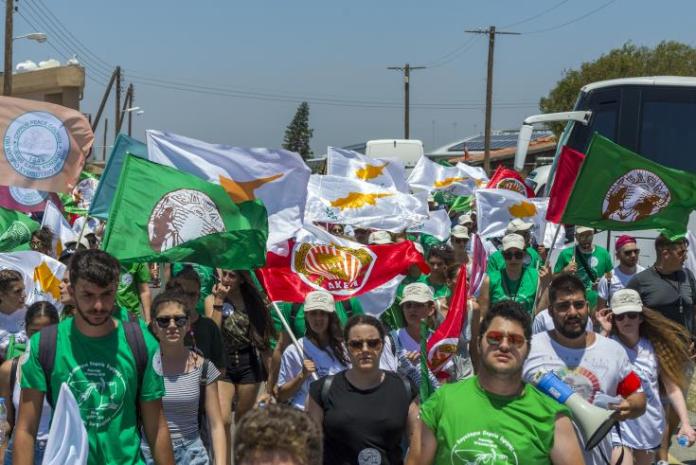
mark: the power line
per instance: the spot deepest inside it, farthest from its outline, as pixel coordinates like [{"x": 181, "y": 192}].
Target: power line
[
  {"x": 574, "y": 20},
  {"x": 538, "y": 15},
  {"x": 449, "y": 57}
]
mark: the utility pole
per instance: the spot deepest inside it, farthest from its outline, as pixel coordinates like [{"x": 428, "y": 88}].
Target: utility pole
[
  {"x": 106, "y": 128},
  {"x": 407, "y": 104},
  {"x": 7, "y": 76},
  {"x": 107, "y": 91},
  {"x": 489, "y": 92},
  {"x": 117, "y": 106},
  {"x": 127, "y": 103},
  {"x": 130, "y": 113}
]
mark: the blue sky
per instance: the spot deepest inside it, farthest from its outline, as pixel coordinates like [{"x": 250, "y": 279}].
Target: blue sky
[{"x": 326, "y": 51}]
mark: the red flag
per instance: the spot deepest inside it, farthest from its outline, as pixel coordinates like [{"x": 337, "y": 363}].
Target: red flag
[
  {"x": 567, "y": 169},
  {"x": 344, "y": 268},
  {"x": 479, "y": 261},
  {"x": 442, "y": 344},
  {"x": 26, "y": 200},
  {"x": 505, "y": 178}
]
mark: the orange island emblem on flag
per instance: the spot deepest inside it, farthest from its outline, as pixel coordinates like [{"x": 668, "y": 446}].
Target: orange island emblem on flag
[
  {"x": 370, "y": 171},
  {"x": 357, "y": 200},
  {"x": 335, "y": 268}
]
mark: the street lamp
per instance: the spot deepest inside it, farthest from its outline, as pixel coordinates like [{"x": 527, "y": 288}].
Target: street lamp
[
  {"x": 37, "y": 36},
  {"x": 40, "y": 37},
  {"x": 130, "y": 112}
]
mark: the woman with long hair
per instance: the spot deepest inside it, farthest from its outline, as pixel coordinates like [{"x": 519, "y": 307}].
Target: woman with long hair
[
  {"x": 321, "y": 350},
  {"x": 364, "y": 411},
  {"x": 39, "y": 315},
  {"x": 659, "y": 351},
  {"x": 247, "y": 329},
  {"x": 190, "y": 385}
]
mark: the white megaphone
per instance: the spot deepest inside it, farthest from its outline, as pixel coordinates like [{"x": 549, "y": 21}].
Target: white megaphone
[{"x": 594, "y": 422}]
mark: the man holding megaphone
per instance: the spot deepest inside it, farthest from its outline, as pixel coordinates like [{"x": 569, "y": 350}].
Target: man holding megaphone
[{"x": 596, "y": 367}]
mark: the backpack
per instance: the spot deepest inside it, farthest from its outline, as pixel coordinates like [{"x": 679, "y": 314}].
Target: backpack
[
  {"x": 295, "y": 309},
  {"x": 47, "y": 353},
  {"x": 328, "y": 381}
]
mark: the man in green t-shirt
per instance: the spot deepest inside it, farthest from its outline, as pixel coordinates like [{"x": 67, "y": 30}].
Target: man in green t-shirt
[
  {"x": 94, "y": 359},
  {"x": 587, "y": 261},
  {"x": 495, "y": 417},
  {"x": 440, "y": 258},
  {"x": 134, "y": 289}
]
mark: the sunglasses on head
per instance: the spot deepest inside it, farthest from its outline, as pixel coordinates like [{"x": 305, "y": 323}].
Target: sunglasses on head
[
  {"x": 357, "y": 345},
  {"x": 519, "y": 255},
  {"x": 495, "y": 338},
  {"x": 630, "y": 315},
  {"x": 179, "y": 321},
  {"x": 565, "y": 305}
]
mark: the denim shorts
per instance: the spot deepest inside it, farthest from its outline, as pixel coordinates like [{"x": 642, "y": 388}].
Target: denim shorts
[
  {"x": 39, "y": 449},
  {"x": 185, "y": 452}
]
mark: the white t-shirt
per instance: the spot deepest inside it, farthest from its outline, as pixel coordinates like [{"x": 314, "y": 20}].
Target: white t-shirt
[
  {"x": 644, "y": 432},
  {"x": 543, "y": 322},
  {"x": 619, "y": 280},
  {"x": 599, "y": 368},
  {"x": 12, "y": 324},
  {"x": 291, "y": 365}
]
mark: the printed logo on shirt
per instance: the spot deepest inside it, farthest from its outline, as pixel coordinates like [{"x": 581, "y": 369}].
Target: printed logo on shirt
[
  {"x": 157, "y": 363},
  {"x": 126, "y": 279},
  {"x": 369, "y": 456},
  {"x": 99, "y": 389},
  {"x": 594, "y": 261},
  {"x": 582, "y": 380},
  {"x": 483, "y": 447}
]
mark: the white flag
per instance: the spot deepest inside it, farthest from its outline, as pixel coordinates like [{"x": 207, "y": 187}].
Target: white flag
[
  {"x": 430, "y": 176},
  {"x": 378, "y": 300},
  {"x": 277, "y": 177},
  {"x": 497, "y": 207},
  {"x": 383, "y": 172},
  {"x": 42, "y": 275},
  {"x": 334, "y": 199},
  {"x": 690, "y": 252},
  {"x": 67, "y": 438},
  {"x": 476, "y": 172},
  {"x": 438, "y": 224},
  {"x": 54, "y": 220}
]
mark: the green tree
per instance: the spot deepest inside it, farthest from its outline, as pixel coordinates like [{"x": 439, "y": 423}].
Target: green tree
[
  {"x": 667, "y": 58},
  {"x": 298, "y": 132}
]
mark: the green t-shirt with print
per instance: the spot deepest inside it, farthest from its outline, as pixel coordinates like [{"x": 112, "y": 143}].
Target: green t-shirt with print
[
  {"x": 127, "y": 294},
  {"x": 599, "y": 261},
  {"x": 101, "y": 373},
  {"x": 298, "y": 327},
  {"x": 475, "y": 426},
  {"x": 496, "y": 261},
  {"x": 439, "y": 290},
  {"x": 206, "y": 275},
  {"x": 522, "y": 290}
]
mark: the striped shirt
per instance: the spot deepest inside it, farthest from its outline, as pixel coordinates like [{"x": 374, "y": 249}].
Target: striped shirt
[{"x": 180, "y": 401}]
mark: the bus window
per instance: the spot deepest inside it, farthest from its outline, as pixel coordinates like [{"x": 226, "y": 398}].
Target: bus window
[
  {"x": 667, "y": 133},
  {"x": 604, "y": 121}
]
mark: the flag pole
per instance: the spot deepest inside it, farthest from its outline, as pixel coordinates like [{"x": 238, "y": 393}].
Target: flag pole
[
  {"x": 290, "y": 333},
  {"x": 546, "y": 262},
  {"x": 82, "y": 232}
]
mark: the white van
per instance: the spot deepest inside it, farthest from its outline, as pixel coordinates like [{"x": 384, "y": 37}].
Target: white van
[{"x": 408, "y": 151}]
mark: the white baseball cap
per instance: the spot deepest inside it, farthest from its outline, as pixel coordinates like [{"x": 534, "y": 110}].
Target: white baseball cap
[
  {"x": 466, "y": 219},
  {"x": 518, "y": 225},
  {"x": 319, "y": 300},
  {"x": 460, "y": 232},
  {"x": 625, "y": 301},
  {"x": 417, "y": 292},
  {"x": 582, "y": 229},
  {"x": 380, "y": 237},
  {"x": 513, "y": 241}
]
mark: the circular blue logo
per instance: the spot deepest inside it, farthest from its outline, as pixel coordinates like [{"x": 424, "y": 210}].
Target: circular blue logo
[
  {"x": 36, "y": 145},
  {"x": 28, "y": 197}
]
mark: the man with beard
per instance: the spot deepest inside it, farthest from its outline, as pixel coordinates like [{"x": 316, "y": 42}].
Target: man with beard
[
  {"x": 627, "y": 253},
  {"x": 495, "y": 417},
  {"x": 94, "y": 354},
  {"x": 593, "y": 365}
]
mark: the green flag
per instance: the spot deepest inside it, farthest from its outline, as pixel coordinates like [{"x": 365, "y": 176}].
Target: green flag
[
  {"x": 426, "y": 389},
  {"x": 78, "y": 201},
  {"x": 15, "y": 229},
  {"x": 461, "y": 203},
  {"x": 160, "y": 214},
  {"x": 619, "y": 190}
]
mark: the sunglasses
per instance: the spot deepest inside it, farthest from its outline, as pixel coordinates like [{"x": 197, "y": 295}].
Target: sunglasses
[
  {"x": 510, "y": 255},
  {"x": 179, "y": 321},
  {"x": 460, "y": 240},
  {"x": 495, "y": 338},
  {"x": 372, "y": 344},
  {"x": 565, "y": 305},
  {"x": 631, "y": 252},
  {"x": 630, "y": 315}
]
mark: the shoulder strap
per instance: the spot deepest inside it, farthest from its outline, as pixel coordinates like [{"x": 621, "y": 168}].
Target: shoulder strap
[
  {"x": 201, "y": 396},
  {"x": 581, "y": 258},
  {"x": 325, "y": 389},
  {"x": 294, "y": 310},
  {"x": 132, "y": 316},
  {"x": 47, "y": 356},
  {"x": 13, "y": 376},
  {"x": 390, "y": 336},
  {"x": 136, "y": 342},
  {"x": 348, "y": 307}
]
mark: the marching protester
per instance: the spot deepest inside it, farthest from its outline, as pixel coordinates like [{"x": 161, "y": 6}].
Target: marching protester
[
  {"x": 39, "y": 315},
  {"x": 321, "y": 351},
  {"x": 393, "y": 317},
  {"x": 134, "y": 290},
  {"x": 88, "y": 349},
  {"x": 191, "y": 401},
  {"x": 530, "y": 258},
  {"x": 42, "y": 241},
  {"x": 207, "y": 277},
  {"x": 627, "y": 252},
  {"x": 239, "y": 310},
  {"x": 440, "y": 257},
  {"x": 593, "y": 365},
  {"x": 459, "y": 237},
  {"x": 658, "y": 349},
  {"x": 586, "y": 260},
  {"x": 65, "y": 297},
  {"x": 496, "y": 415},
  {"x": 364, "y": 411},
  {"x": 12, "y": 309}
]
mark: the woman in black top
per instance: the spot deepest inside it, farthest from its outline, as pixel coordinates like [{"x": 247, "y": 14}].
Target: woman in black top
[{"x": 364, "y": 411}]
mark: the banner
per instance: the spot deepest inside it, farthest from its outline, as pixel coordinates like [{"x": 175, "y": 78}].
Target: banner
[{"x": 382, "y": 172}]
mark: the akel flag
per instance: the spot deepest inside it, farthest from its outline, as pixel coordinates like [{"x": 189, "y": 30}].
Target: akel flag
[
  {"x": 315, "y": 260},
  {"x": 505, "y": 178},
  {"x": 619, "y": 190},
  {"x": 44, "y": 145},
  {"x": 160, "y": 214}
]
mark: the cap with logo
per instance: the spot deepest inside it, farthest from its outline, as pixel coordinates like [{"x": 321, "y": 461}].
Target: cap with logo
[
  {"x": 518, "y": 225},
  {"x": 380, "y": 237},
  {"x": 625, "y": 301},
  {"x": 319, "y": 300},
  {"x": 460, "y": 232},
  {"x": 513, "y": 241},
  {"x": 417, "y": 292}
]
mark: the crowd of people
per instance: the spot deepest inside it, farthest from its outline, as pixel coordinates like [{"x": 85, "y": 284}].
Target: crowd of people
[{"x": 209, "y": 371}]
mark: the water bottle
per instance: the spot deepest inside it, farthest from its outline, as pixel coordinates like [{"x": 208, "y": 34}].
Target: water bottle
[
  {"x": 3, "y": 420},
  {"x": 683, "y": 440}
]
